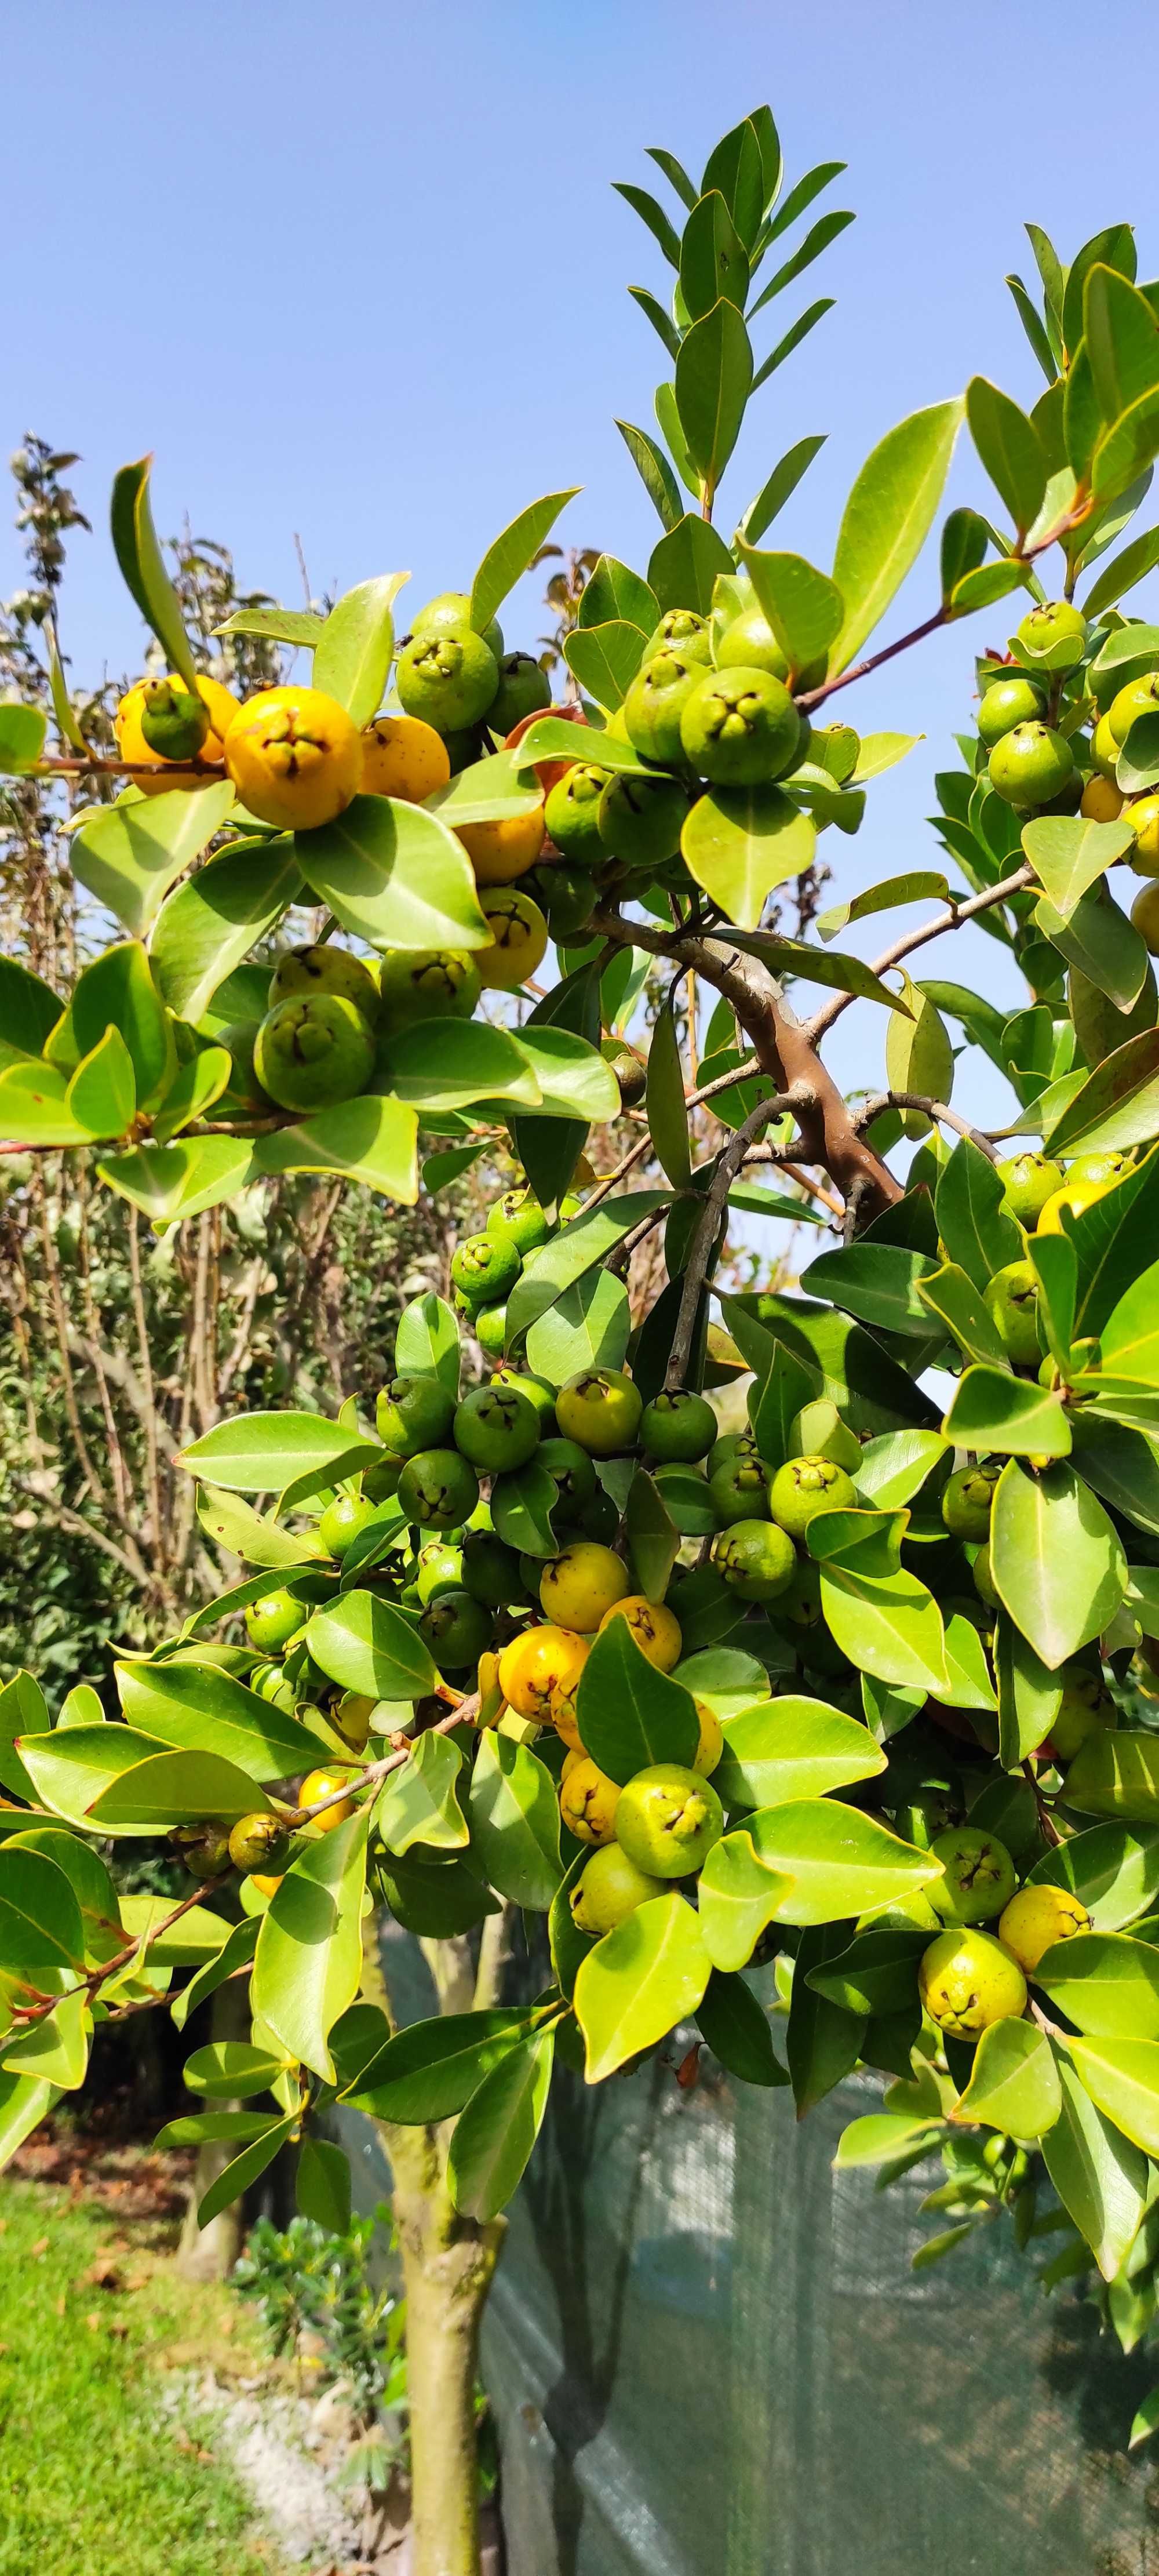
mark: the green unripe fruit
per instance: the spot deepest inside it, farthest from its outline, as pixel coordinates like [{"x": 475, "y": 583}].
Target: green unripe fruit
[
  {"x": 1028, "y": 1181},
  {"x": 805, "y": 1486},
  {"x": 1007, "y": 703},
  {"x": 464, "y": 745},
  {"x": 630, "y": 1069},
  {"x": 571, "y": 815},
  {"x": 1139, "y": 698},
  {"x": 523, "y": 689},
  {"x": 448, "y": 678},
  {"x": 640, "y": 819},
  {"x": 984, "y": 1583},
  {"x": 979, "y": 1875},
  {"x": 608, "y": 1889},
  {"x": 490, "y": 1570},
  {"x": 681, "y": 631},
  {"x": 678, "y": 1426},
  {"x": 800, "y": 1602},
  {"x": 756, "y": 1559},
  {"x": 572, "y": 1472},
  {"x": 457, "y": 1629},
  {"x": 1011, "y": 1300},
  {"x": 244, "y": 1091},
  {"x": 731, "y": 1444},
  {"x": 173, "y": 722},
  {"x": 313, "y": 1051},
  {"x": 739, "y": 1490},
  {"x": 484, "y": 1269},
  {"x": 654, "y": 704},
  {"x": 536, "y": 1389},
  {"x": 380, "y": 1480},
  {"x": 438, "y": 1489},
  {"x": 667, "y": 1820},
  {"x": 450, "y": 614},
  {"x": 749, "y": 644},
  {"x": 273, "y": 1619},
  {"x": 1055, "y": 632},
  {"x": 412, "y": 1413},
  {"x": 1030, "y": 765},
  {"x": 739, "y": 727},
  {"x": 259, "y": 1842},
  {"x": 1086, "y": 1708},
  {"x": 1105, "y": 750},
  {"x": 270, "y": 1683},
  {"x": 497, "y": 1429},
  {"x": 323, "y": 969},
  {"x": 1098, "y": 1171},
  {"x": 968, "y": 1499},
  {"x": 566, "y": 896},
  {"x": 427, "y": 984},
  {"x": 601, "y": 1409},
  {"x": 518, "y": 1218},
  {"x": 489, "y": 1326},
  {"x": 439, "y": 1569},
  {"x": 967, "y": 1981},
  {"x": 204, "y": 1849},
  {"x": 343, "y": 1521}
]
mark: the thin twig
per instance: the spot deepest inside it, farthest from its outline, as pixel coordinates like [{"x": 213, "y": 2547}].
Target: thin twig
[
  {"x": 882, "y": 1100},
  {"x": 704, "y": 1240},
  {"x": 951, "y": 919}
]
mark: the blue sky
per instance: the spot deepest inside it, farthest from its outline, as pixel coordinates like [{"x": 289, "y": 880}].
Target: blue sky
[{"x": 359, "y": 275}]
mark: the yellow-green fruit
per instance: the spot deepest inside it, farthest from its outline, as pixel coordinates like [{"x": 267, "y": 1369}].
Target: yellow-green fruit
[
  {"x": 656, "y": 1631},
  {"x": 343, "y": 1521},
  {"x": 668, "y": 1819},
  {"x": 427, "y": 984},
  {"x": 257, "y": 1842},
  {"x": 1005, "y": 704},
  {"x": 352, "y": 1718},
  {"x": 1054, "y": 629},
  {"x": 608, "y": 1889},
  {"x": 968, "y": 1500},
  {"x": 518, "y": 940},
  {"x": 322, "y": 1784},
  {"x": 1086, "y": 1708},
  {"x": 1139, "y": 698},
  {"x": 404, "y": 758},
  {"x": 1105, "y": 754},
  {"x": 967, "y": 1981},
  {"x": 313, "y": 1051},
  {"x": 756, "y": 1558},
  {"x": 133, "y": 747},
  {"x": 711, "y": 1743},
  {"x": 978, "y": 1879},
  {"x": 1028, "y": 1181},
  {"x": 273, "y": 1619},
  {"x": 1145, "y": 915},
  {"x": 537, "y": 1664},
  {"x": 580, "y": 1586},
  {"x": 1098, "y": 1171},
  {"x": 1011, "y": 1299},
  {"x": 1143, "y": 817},
  {"x": 294, "y": 757},
  {"x": 588, "y": 1801},
  {"x": 805, "y": 1486},
  {"x": 204, "y": 1849},
  {"x": 984, "y": 1583},
  {"x": 1038, "y": 1917},
  {"x": 1101, "y": 801},
  {"x": 601, "y": 1409},
  {"x": 502, "y": 850},
  {"x": 447, "y": 677},
  {"x": 323, "y": 969}
]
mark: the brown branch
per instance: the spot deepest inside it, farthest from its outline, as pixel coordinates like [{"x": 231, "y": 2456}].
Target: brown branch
[
  {"x": 704, "y": 1240},
  {"x": 465, "y": 1713},
  {"x": 951, "y": 919},
  {"x": 882, "y": 1100}
]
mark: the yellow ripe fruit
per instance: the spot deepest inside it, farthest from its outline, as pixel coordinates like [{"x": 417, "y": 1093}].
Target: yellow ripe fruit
[
  {"x": 1105, "y": 750},
  {"x": 518, "y": 939},
  {"x": 294, "y": 757},
  {"x": 711, "y": 1745},
  {"x": 403, "y": 757},
  {"x": 352, "y": 1718},
  {"x": 574, "y": 1754},
  {"x": 1143, "y": 817},
  {"x": 500, "y": 852},
  {"x": 264, "y": 1886},
  {"x": 655, "y": 1629},
  {"x": 565, "y": 1719},
  {"x": 133, "y": 747},
  {"x": 1102, "y": 801},
  {"x": 1145, "y": 914},
  {"x": 322, "y": 1784},
  {"x": 588, "y": 1801},
  {"x": 1038, "y": 1917},
  {"x": 532, "y": 1666},
  {"x": 579, "y": 1587},
  {"x": 967, "y": 1980}
]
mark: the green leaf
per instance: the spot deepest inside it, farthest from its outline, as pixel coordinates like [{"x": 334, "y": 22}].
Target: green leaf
[
  {"x": 740, "y": 842},
  {"x": 839, "y": 1861},
  {"x": 894, "y": 1467},
  {"x": 798, "y": 331},
  {"x": 254, "y": 1536},
  {"x": 779, "y": 488},
  {"x": 736, "y": 2029},
  {"x": 193, "y": 1091},
  {"x": 653, "y": 215},
  {"x": 29, "y": 1010},
  {"x": 496, "y": 2132},
  {"x": 615, "y": 591},
  {"x": 419, "y": 1803},
  {"x": 629, "y": 1714},
  {"x": 102, "y": 1094},
  {"x": 917, "y": 886},
  {"x": 1067, "y": 854},
  {"x": 667, "y": 1114},
  {"x": 1126, "y": 449},
  {"x": 791, "y": 1748},
  {"x": 953, "y": 1297},
  {"x": 139, "y": 557},
  {"x": 308, "y": 1963},
  {"x": 1129, "y": 1340},
  {"x": 738, "y": 1897},
  {"x": 991, "y": 1409},
  {"x": 69, "y": 1769},
  {"x": 639, "y": 1982},
  {"x": 605, "y": 660},
  {"x": 579, "y": 1247},
  {"x": 23, "y": 1711},
  {"x": 888, "y": 1624},
  {"x": 205, "y": 1710},
  {"x": 1100, "y": 2179},
  {"x": 1117, "y": 1106},
  {"x": 454, "y": 1064},
  {"x": 22, "y": 732},
  {"x": 353, "y": 653},
  {"x": 368, "y": 1646},
  {"x": 1122, "y": 338},
  {"x": 1055, "y": 1558},
  {"x": 713, "y": 259},
  {"x": 231, "y": 2066},
  {"x": 1115, "y": 1774},
  {"x": 40, "y": 1919},
  {"x": 206, "y": 927},
  {"x": 652, "y": 1536},
  {"x": 684, "y": 567},
  {"x": 804, "y": 608},
  {"x": 875, "y": 1973},
  {"x": 1138, "y": 762},
  {"x": 655, "y": 473},
  {"x": 395, "y": 876},
  {"x": 1103, "y": 944},
  {"x": 726, "y": 1679},
  {"x": 515, "y": 1820},
  {"x": 235, "y": 1953},
  {"x": 1106, "y": 1984},
  {"x": 259, "y": 1453},
  {"x": 1122, "y": 1464},
  {"x": 434, "y": 1903},
  {"x": 278, "y": 625},
  {"x": 878, "y": 1282},
  {"x": 117, "y": 991},
  {"x": 429, "y": 2071},
  {"x": 202, "y": 2126},
  {"x": 322, "y": 2185},
  {"x": 427, "y": 1342},
  {"x": 166, "y": 1789},
  {"x": 373, "y": 1140},
  {"x": 1113, "y": 1870},
  {"x": 522, "y": 1506},
  {"x": 1010, "y": 448},
  {"x": 245, "y": 2169},
  {"x": 191, "y": 1940},
  {"x": 881, "y": 2137},
  {"x": 1013, "y": 2083},
  {"x": 1029, "y": 1696},
  {"x": 918, "y": 1053},
  {"x": 170, "y": 1182},
  {"x": 25, "y": 2101},
  {"x": 887, "y": 518},
  {"x": 589, "y": 1326},
  {"x": 129, "y": 855},
  {"x": 1122, "y": 573},
  {"x": 1121, "y": 2076},
  {"x": 509, "y": 557}
]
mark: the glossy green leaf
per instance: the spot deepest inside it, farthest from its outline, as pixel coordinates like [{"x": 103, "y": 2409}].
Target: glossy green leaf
[
  {"x": 629, "y": 1714},
  {"x": 515, "y": 1820},
  {"x": 1014, "y": 2083},
  {"x": 1105, "y": 1983},
  {"x": 917, "y": 886},
  {"x": 652, "y": 1536},
  {"x": 736, "y": 2029},
  {"x": 740, "y": 842},
  {"x": 605, "y": 660},
  {"x": 69, "y": 1768},
  {"x": 510, "y": 556},
  {"x": 353, "y": 653},
  {"x": 522, "y": 1506},
  {"x": 496, "y": 2132},
  {"x": 1055, "y": 1559},
  {"x": 991, "y": 1409},
  {"x": 102, "y": 1094},
  {"x": 685, "y": 564},
  {"x": 129, "y": 855},
  {"x": 887, "y": 518},
  {"x": 888, "y": 1624},
  {"x": 419, "y": 1803},
  {"x": 1068, "y": 854},
  {"x": 1113, "y": 1869},
  {"x": 169, "y": 1182},
  {"x": 139, "y": 557},
  {"x": 395, "y": 876},
  {"x": 1115, "y": 1774},
  {"x": 804, "y": 608},
  {"x": 206, "y": 1710},
  {"x": 166, "y": 1789},
  {"x": 373, "y": 1140},
  {"x": 22, "y": 732},
  {"x": 1117, "y": 1106},
  {"x": 1121, "y": 2075},
  {"x": 876, "y": 1972},
  {"x": 639, "y": 1982},
  {"x": 368, "y": 1646},
  {"x": 655, "y": 473},
  {"x": 1100, "y": 2179},
  {"x": 322, "y": 2185},
  {"x": 308, "y": 1962},
  {"x": 881, "y": 2137},
  {"x": 429, "y": 2071},
  {"x": 259, "y": 1453},
  {"x": 427, "y": 1342},
  {"x": 40, "y": 1919},
  {"x": 1010, "y": 448},
  {"x": 953, "y": 1298},
  {"x": 245, "y": 2169},
  {"x": 839, "y": 1861},
  {"x": 878, "y": 1282},
  {"x": 1029, "y": 1695},
  {"x": 792, "y": 1748},
  {"x": 613, "y": 590},
  {"x": 714, "y": 373},
  {"x": 206, "y": 927},
  {"x": 1122, "y": 573},
  {"x": 587, "y": 1327},
  {"x": 738, "y": 1897},
  {"x": 778, "y": 489},
  {"x": 118, "y": 991}
]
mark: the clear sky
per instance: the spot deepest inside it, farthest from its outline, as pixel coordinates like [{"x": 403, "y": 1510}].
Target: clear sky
[{"x": 358, "y": 273}]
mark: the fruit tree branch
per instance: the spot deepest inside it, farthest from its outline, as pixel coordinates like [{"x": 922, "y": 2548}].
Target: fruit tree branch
[
  {"x": 951, "y": 919},
  {"x": 704, "y": 1240},
  {"x": 882, "y": 1100}
]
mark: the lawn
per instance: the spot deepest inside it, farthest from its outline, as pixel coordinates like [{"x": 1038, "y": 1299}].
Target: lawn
[{"x": 93, "y": 2475}]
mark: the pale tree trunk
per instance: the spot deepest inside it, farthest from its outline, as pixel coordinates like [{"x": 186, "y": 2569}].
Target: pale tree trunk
[
  {"x": 448, "y": 2263},
  {"x": 209, "y": 2253}
]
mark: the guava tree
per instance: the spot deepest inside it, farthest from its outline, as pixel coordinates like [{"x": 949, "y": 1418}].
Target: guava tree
[{"x": 857, "y": 1700}]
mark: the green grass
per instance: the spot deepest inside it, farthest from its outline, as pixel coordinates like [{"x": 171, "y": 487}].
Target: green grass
[{"x": 92, "y": 2476}]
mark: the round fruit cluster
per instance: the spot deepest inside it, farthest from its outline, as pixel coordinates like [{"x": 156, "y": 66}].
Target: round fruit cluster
[
  {"x": 1044, "y": 1198},
  {"x": 968, "y": 1978},
  {"x": 1030, "y": 716}
]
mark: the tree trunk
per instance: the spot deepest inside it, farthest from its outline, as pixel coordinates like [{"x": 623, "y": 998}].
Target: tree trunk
[{"x": 447, "y": 2264}]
